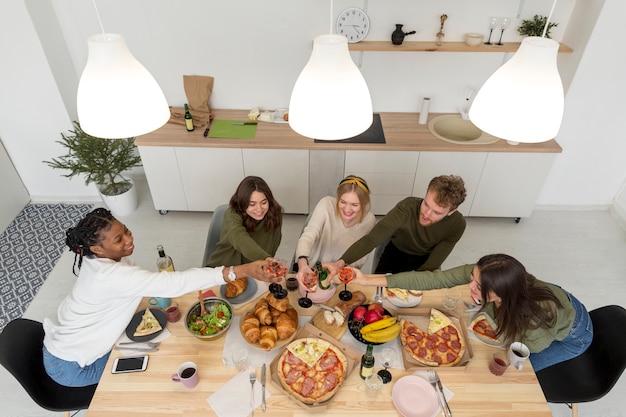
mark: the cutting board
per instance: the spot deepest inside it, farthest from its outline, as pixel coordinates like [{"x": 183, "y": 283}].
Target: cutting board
[{"x": 331, "y": 329}]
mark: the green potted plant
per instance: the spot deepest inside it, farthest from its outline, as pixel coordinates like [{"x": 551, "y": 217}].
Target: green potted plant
[
  {"x": 535, "y": 26},
  {"x": 102, "y": 161}
]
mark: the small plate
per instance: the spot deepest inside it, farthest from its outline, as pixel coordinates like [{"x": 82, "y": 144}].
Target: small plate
[
  {"x": 406, "y": 392},
  {"x": 246, "y": 295},
  {"x": 134, "y": 322},
  {"x": 398, "y": 302},
  {"x": 480, "y": 337},
  {"x": 355, "y": 327}
]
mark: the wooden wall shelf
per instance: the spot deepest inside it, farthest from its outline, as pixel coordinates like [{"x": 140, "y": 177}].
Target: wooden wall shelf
[{"x": 387, "y": 46}]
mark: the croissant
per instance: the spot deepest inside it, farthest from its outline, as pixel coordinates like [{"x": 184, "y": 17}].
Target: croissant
[
  {"x": 235, "y": 287},
  {"x": 287, "y": 323},
  {"x": 250, "y": 328},
  {"x": 280, "y": 305},
  {"x": 268, "y": 337},
  {"x": 274, "y": 313},
  {"x": 262, "y": 312}
]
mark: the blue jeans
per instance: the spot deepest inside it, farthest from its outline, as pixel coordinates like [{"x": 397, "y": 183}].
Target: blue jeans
[
  {"x": 575, "y": 343},
  {"x": 71, "y": 374}
]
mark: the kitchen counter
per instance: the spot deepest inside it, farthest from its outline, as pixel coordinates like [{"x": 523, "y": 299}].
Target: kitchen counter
[{"x": 402, "y": 133}]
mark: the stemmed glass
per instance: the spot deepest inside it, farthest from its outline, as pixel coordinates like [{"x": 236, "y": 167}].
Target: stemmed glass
[
  {"x": 504, "y": 23},
  {"x": 345, "y": 276},
  {"x": 388, "y": 354},
  {"x": 309, "y": 280},
  {"x": 275, "y": 288},
  {"x": 493, "y": 22}
]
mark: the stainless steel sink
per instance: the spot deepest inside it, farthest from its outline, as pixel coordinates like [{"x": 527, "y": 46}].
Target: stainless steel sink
[{"x": 454, "y": 129}]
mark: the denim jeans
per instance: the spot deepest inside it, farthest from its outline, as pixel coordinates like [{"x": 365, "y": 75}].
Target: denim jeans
[
  {"x": 71, "y": 374},
  {"x": 575, "y": 343}
]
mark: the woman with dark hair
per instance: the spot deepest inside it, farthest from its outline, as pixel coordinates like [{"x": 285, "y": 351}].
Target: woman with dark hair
[
  {"x": 251, "y": 229},
  {"x": 549, "y": 320},
  {"x": 335, "y": 224},
  {"x": 107, "y": 293}
]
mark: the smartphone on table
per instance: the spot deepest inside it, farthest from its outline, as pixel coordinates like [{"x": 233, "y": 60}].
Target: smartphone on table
[{"x": 130, "y": 364}]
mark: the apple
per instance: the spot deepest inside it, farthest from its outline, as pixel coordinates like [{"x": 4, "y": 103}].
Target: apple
[
  {"x": 377, "y": 307},
  {"x": 371, "y": 316},
  {"x": 359, "y": 313}
]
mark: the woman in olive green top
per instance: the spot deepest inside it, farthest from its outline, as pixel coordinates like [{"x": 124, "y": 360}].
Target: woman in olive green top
[
  {"x": 550, "y": 321},
  {"x": 251, "y": 229}
]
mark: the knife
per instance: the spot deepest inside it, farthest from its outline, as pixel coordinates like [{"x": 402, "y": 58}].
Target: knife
[
  {"x": 445, "y": 401},
  {"x": 324, "y": 306},
  {"x": 243, "y": 123},
  {"x": 263, "y": 388},
  {"x": 208, "y": 127}
]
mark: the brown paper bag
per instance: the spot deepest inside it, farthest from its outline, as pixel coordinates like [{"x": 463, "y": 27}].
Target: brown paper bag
[{"x": 198, "y": 89}]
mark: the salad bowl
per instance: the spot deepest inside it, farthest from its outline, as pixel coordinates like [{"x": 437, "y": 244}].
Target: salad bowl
[{"x": 212, "y": 325}]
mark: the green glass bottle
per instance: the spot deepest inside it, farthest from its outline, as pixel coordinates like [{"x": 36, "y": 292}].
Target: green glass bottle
[
  {"x": 367, "y": 362},
  {"x": 188, "y": 119},
  {"x": 322, "y": 276}
]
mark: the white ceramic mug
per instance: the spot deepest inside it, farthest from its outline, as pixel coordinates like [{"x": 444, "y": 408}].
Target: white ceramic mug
[{"x": 518, "y": 353}]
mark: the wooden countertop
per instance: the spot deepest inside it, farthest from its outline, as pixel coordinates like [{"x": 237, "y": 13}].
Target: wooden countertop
[
  {"x": 402, "y": 133},
  {"x": 151, "y": 393}
]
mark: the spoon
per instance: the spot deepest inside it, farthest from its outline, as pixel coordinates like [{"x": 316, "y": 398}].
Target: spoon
[{"x": 201, "y": 299}]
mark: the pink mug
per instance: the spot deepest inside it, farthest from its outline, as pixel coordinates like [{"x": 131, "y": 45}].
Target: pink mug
[{"x": 187, "y": 375}]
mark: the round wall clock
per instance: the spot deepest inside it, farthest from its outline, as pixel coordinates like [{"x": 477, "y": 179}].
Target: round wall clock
[{"x": 353, "y": 23}]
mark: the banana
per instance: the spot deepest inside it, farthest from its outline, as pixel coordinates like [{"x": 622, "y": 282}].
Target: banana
[
  {"x": 383, "y": 335},
  {"x": 379, "y": 324}
]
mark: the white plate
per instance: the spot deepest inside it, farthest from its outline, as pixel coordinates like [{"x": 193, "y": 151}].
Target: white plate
[
  {"x": 480, "y": 337},
  {"x": 398, "y": 302},
  {"x": 414, "y": 397}
]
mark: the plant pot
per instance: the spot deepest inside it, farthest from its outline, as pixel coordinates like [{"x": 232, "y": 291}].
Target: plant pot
[{"x": 121, "y": 204}]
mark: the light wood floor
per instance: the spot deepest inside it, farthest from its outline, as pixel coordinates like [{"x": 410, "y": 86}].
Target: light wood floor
[{"x": 583, "y": 251}]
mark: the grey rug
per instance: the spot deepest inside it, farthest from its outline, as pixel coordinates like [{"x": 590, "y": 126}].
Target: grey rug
[{"x": 29, "y": 249}]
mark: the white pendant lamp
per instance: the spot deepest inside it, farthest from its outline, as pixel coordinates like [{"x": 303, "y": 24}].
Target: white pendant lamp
[
  {"x": 330, "y": 100},
  {"x": 523, "y": 100},
  {"x": 117, "y": 96}
]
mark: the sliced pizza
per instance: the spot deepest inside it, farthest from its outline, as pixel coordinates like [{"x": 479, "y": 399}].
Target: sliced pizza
[
  {"x": 148, "y": 325},
  {"x": 485, "y": 329},
  {"x": 437, "y": 321},
  {"x": 312, "y": 382}
]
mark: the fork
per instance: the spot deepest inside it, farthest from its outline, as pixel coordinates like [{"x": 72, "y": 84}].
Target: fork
[
  {"x": 252, "y": 381},
  {"x": 433, "y": 381},
  {"x": 149, "y": 344}
]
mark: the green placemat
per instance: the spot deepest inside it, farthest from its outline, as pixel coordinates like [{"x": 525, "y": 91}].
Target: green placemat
[{"x": 230, "y": 129}]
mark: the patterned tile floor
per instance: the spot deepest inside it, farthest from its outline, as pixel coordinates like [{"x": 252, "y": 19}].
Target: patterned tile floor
[{"x": 29, "y": 249}]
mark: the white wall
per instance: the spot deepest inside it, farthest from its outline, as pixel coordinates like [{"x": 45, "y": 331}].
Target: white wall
[{"x": 255, "y": 50}]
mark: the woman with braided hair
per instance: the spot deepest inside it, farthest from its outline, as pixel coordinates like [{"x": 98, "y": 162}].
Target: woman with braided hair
[{"x": 107, "y": 293}]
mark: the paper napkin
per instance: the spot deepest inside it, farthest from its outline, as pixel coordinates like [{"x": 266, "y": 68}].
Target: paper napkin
[{"x": 233, "y": 399}]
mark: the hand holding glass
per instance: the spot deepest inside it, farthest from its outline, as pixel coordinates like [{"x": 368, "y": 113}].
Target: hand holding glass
[
  {"x": 345, "y": 276},
  {"x": 309, "y": 280}
]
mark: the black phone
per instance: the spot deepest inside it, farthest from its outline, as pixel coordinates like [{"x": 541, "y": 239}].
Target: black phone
[{"x": 130, "y": 364}]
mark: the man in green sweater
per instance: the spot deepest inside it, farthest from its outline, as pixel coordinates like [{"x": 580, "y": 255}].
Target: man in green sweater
[{"x": 421, "y": 231}]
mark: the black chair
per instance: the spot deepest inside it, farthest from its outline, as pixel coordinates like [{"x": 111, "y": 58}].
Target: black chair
[
  {"x": 593, "y": 374},
  {"x": 215, "y": 229},
  {"x": 21, "y": 344}
]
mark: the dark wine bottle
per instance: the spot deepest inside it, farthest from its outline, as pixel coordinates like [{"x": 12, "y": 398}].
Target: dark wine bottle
[
  {"x": 367, "y": 362},
  {"x": 188, "y": 119}
]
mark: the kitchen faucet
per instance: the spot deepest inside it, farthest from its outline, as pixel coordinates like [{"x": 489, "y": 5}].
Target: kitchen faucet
[{"x": 463, "y": 110}]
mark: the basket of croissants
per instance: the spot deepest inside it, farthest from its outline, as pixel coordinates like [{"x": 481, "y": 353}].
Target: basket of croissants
[{"x": 270, "y": 324}]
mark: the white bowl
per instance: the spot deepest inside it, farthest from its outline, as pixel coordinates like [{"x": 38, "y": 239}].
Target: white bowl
[
  {"x": 412, "y": 301},
  {"x": 473, "y": 39}
]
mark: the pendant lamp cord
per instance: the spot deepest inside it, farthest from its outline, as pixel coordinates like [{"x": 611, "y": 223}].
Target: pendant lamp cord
[
  {"x": 99, "y": 20},
  {"x": 331, "y": 17},
  {"x": 545, "y": 28}
]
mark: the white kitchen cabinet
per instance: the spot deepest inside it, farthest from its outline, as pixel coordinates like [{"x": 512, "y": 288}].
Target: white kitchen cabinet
[
  {"x": 161, "y": 167},
  {"x": 286, "y": 171},
  {"x": 510, "y": 184},
  {"x": 14, "y": 194},
  {"x": 390, "y": 175},
  {"x": 467, "y": 165}
]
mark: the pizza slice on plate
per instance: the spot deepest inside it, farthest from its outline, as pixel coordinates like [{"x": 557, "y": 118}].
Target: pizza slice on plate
[
  {"x": 148, "y": 325},
  {"x": 485, "y": 329}
]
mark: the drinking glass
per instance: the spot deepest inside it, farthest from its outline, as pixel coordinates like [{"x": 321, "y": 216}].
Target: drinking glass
[
  {"x": 388, "y": 354},
  {"x": 373, "y": 383},
  {"x": 309, "y": 280},
  {"x": 493, "y": 22},
  {"x": 277, "y": 289},
  {"x": 240, "y": 358},
  {"x": 504, "y": 23},
  {"x": 345, "y": 276}
]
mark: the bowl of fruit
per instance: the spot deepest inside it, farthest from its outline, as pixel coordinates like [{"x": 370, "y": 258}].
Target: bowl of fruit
[{"x": 373, "y": 324}]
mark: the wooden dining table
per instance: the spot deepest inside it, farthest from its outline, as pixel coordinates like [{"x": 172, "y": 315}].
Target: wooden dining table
[{"x": 152, "y": 393}]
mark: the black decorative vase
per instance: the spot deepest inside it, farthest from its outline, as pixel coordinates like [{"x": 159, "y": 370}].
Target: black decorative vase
[{"x": 397, "y": 37}]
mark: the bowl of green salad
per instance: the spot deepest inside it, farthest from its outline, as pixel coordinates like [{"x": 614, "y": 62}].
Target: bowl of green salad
[{"x": 212, "y": 325}]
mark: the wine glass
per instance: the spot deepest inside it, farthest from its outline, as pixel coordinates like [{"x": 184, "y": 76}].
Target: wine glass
[
  {"x": 504, "y": 23},
  {"x": 275, "y": 288},
  {"x": 309, "y": 280},
  {"x": 345, "y": 276},
  {"x": 388, "y": 354},
  {"x": 493, "y": 22}
]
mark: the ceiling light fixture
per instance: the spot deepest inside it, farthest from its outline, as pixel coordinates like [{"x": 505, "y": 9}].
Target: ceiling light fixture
[
  {"x": 330, "y": 100},
  {"x": 523, "y": 100},
  {"x": 117, "y": 96}
]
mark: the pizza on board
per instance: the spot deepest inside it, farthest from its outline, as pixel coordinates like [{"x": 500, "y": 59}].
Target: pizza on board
[
  {"x": 442, "y": 345},
  {"x": 482, "y": 327},
  {"x": 311, "y": 370},
  {"x": 148, "y": 325}
]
